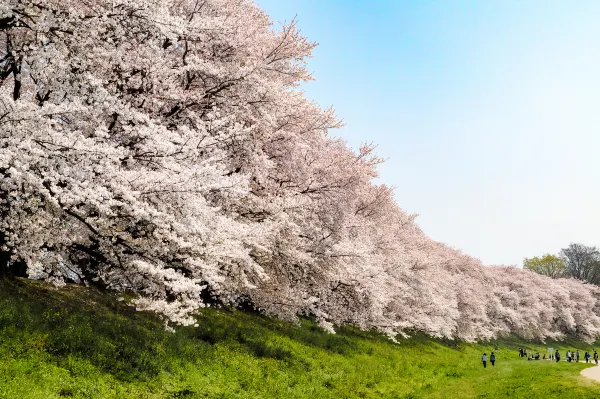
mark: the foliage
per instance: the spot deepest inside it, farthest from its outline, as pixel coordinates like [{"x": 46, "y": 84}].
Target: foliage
[
  {"x": 161, "y": 148},
  {"x": 547, "y": 265},
  {"x": 81, "y": 343}
]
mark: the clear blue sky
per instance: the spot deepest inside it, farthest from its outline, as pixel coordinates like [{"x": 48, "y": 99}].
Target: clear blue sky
[{"x": 488, "y": 112}]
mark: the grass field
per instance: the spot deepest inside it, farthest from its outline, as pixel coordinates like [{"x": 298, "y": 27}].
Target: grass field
[{"x": 79, "y": 343}]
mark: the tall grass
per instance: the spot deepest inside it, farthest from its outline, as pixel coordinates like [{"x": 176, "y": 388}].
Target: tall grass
[{"x": 80, "y": 343}]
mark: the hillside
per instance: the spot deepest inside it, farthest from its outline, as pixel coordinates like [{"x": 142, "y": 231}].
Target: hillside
[{"x": 80, "y": 343}]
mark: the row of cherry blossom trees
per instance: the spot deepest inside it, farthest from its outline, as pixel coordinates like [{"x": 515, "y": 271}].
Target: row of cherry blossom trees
[{"x": 162, "y": 147}]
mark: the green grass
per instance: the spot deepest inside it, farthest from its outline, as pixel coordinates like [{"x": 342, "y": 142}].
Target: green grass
[{"x": 79, "y": 343}]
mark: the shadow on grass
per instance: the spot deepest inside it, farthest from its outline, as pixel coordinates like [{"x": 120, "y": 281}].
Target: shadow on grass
[{"x": 36, "y": 318}]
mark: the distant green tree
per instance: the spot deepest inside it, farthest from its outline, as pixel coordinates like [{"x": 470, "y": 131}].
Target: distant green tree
[{"x": 548, "y": 265}]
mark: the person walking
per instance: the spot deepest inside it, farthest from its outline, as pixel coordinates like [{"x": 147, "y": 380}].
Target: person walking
[
  {"x": 595, "y": 356},
  {"x": 484, "y": 360},
  {"x": 587, "y": 357},
  {"x": 520, "y": 352},
  {"x": 577, "y": 356},
  {"x": 557, "y": 356},
  {"x": 492, "y": 358},
  {"x": 569, "y": 356}
]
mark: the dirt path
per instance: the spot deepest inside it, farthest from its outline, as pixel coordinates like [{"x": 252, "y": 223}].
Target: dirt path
[{"x": 592, "y": 372}]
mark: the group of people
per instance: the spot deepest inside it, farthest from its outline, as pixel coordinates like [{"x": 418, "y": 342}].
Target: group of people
[
  {"x": 571, "y": 356},
  {"x": 574, "y": 356},
  {"x": 523, "y": 353},
  {"x": 492, "y": 359},
  {"x": 587, "y": 357}
]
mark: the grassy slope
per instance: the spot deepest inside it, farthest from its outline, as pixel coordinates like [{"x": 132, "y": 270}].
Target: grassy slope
[{"x": 78, "y": 343}]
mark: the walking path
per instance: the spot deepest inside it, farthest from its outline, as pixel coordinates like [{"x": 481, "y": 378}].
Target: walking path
[{"x": 592, "y": 372}]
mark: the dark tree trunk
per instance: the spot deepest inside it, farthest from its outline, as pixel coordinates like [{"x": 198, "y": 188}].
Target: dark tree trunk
[
  {"x": 8, "y": 268},
  {"x": 18, "y": 269},
  {"x": 4, "y": 258}
]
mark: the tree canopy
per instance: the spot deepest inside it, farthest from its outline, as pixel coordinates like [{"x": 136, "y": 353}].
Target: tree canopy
[
  {"x": 548, "y": 265},
  {"x": 582, "y": 262}
]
